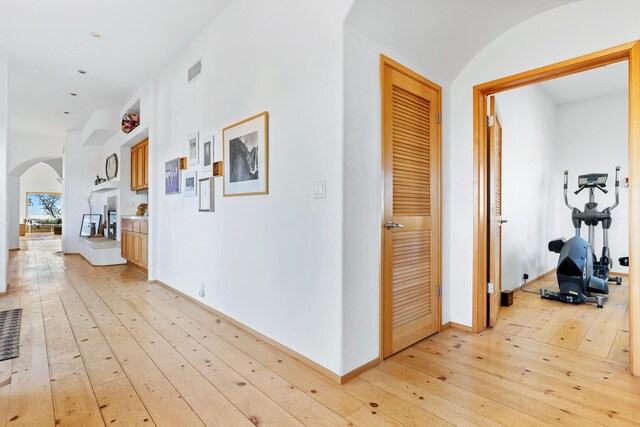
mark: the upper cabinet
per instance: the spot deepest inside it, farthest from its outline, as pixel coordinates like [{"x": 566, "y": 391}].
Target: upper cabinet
[{"x": 140, "y": 165}]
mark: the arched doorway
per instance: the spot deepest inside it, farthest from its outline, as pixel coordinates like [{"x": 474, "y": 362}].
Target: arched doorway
[{"x": 42, "y": 175}]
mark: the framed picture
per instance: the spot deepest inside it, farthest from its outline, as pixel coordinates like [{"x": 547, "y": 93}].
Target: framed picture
[
  {"x": 205, "y": 191},
  {"x": 172, "y": 176},
  {"x": 90, "y": 225},
  {"x": 207, "y": 154},
  {"x": 190, "y": 182},
  {"x": 194, "y": 147},
  {"x": 217, "y": 169},
  {"x": 111, "y": 167},
  {"x": 245, "y": 157}
]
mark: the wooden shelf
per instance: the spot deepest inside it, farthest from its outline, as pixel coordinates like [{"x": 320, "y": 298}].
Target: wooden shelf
[{"x": 105, "y": 186}]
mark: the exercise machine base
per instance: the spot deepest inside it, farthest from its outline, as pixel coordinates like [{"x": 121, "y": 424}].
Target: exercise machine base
[{"x": 571, "y": 299}]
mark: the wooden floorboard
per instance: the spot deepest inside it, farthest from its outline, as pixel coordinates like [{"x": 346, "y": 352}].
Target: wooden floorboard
[
  {"x": 102, "y": 346},
  {"x": 584, "y": 328}
]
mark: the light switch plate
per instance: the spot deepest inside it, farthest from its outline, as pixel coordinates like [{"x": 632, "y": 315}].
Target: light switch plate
[{"x": 320, "y": 189}]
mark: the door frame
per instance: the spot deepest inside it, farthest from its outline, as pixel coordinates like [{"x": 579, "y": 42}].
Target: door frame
[
  {"x": 385, "y": 61},
  {"x": 625, "y": 52}
]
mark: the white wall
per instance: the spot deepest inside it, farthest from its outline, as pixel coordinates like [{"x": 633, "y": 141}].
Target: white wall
[
  {"x": 273, "y": 262},
  {"x": 4, "y": 155},
  {"x": 39, "y": 178},
  {"x": 569, "y": 31},
  {"x": 529, "y": 181},
  {"x": 593, "y": 136},
  {"x": 80, "y": 166}
]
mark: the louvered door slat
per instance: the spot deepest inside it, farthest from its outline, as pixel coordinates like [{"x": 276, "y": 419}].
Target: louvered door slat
[{"x": 410, "y": 138}]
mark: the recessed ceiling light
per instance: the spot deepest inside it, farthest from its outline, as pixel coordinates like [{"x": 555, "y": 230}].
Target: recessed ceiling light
[
  {"x": 73, "y": 94},
  {"x": 96, "y": 35},
  {"x": 82, "y": 71},
  {"x": 66, "y": 112}
]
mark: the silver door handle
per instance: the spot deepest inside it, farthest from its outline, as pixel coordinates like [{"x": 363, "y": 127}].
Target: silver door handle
[
  {"x": 391, "y": 225},
  {"x": 504, "y": 221}
]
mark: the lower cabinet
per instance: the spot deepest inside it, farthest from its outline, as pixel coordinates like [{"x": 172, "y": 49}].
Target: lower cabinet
[{"x": 135, "y": 241}]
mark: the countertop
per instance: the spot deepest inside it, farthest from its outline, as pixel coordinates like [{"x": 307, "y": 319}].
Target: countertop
[{"x": 139, "y": 218}]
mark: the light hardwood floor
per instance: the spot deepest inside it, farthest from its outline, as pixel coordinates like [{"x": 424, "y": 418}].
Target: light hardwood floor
[
  {"x": 101, "y": 346},
  {"x": 583, "y": 328}
]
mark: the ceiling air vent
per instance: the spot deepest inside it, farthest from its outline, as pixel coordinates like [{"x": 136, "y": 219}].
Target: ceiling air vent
[{"x": 194, "y": 71}]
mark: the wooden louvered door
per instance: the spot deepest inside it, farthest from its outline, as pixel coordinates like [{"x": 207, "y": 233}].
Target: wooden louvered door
[
  {"x": 495, "y": 212},
  {"x": 411, "y": 240}
]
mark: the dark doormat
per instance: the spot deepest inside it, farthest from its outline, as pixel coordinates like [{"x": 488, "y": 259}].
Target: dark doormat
[{"x": 10, "y": 333}]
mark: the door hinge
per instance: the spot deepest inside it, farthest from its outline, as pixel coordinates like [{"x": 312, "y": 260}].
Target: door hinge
[
  {"x": 490, "y": 120},
  {"x": 439, "y": 291},
  {"x": 439, "y": 117},
  {"x": 490, "y": 288}
]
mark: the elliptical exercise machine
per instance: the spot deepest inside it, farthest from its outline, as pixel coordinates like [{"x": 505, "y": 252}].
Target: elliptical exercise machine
[{"x": 583, "y": 277}]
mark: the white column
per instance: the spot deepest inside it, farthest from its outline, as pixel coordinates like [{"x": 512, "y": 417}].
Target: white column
[
  {"x": 4, "y": 247},
  {"x": 13, "y": 207}
]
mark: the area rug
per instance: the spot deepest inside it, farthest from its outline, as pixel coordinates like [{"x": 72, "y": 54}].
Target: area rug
[{"x": 10, "y": 333}]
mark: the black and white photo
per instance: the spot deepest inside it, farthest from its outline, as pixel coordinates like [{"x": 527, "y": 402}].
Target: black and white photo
[
  {"x": 190, "y": 182},
  {"x": 243, "y": 158},
  {"x": 245, "y": 153},
  {"x": 207, "y": 153},
  {"x": 194, "y": 149}
]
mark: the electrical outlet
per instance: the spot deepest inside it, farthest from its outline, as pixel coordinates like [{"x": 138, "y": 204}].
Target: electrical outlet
[{"x": 201, "y": 292}]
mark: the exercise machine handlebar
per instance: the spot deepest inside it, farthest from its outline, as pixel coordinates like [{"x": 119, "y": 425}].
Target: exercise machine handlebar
[
  {"x": 612, "y": 207},
  {"x": 617, "y": 188},
  {"x": 566, "y": 186}
]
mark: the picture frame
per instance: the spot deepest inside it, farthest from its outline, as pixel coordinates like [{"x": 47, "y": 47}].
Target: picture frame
[
  {"x": 205, "y": 195},
  {"x": 90, "y": 225},
  {"x": 217, "y": 168},
  {"x": 190, "y": 183},
  {"x": 207, "y": 153},
  {"x": 194, "y": 149},
  {"x": 111, "y": 167},
  {"x": 172, "y": 176},
  {"x": 245, "y": 157}
]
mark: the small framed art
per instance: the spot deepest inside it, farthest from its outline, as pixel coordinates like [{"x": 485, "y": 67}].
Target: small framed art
[
  {"x": 190, "y": 183},
  {"x": 205, "y": 191},
  {"x": 245, "y": 157},
  {"x": 207, "y": 153},
  {"x": 194, "y": 149},
  {"x": 172, "y": 176}
]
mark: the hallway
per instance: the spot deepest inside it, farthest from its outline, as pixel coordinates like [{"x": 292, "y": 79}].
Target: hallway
[{"x": 101, "y": 346}]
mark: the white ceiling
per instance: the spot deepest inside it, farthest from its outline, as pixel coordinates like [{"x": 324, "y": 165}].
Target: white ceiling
[
  {"x": 589, "y": 84},
  {"x": 48, "y": 41},
  {"x": 445, "y": 34}
]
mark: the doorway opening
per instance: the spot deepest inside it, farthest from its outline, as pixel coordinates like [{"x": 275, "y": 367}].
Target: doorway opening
[{"x": 482, "y": 166}]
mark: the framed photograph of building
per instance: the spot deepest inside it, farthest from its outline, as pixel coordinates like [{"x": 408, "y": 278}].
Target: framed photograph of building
[
  {"x": 190, "y": 183},
  {"x": 194, "y": 149},
  {"x": 207, "y": 153},
  {"x": 205, "y": 191},
  {"x": 245, "y": 157},
  {"x": 172, "y": 176}
]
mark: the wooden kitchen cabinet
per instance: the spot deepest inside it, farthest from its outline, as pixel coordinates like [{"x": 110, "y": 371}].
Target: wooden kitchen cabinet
[
  {"x": 140, "y": 166},
  {"x": 135, "y": 241}
]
